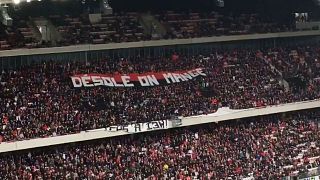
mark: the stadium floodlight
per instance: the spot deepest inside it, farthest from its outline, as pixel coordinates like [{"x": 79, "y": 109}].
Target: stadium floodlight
[
  {"x": 220, "y": 3},
  {"x": 28, "y": 0},
  {"x": 16, "y": 1}
]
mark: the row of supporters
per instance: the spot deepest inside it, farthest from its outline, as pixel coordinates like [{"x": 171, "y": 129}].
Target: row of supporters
[
  {"x": 53, "y": 98},
  {"x": 269, "y": 147}
]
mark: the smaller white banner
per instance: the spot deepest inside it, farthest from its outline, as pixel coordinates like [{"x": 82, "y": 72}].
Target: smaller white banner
[
  {"x": 311, "y": 178},
  {"x": 149, "y": 126}
]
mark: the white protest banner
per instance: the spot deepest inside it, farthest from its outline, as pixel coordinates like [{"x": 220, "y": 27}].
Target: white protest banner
[
  {"x": 311, "y": 178},
  {"x": 149, "y": 126}
]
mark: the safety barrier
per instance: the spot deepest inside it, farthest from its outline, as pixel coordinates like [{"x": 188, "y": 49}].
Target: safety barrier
[{"x": 153, "y": 43}]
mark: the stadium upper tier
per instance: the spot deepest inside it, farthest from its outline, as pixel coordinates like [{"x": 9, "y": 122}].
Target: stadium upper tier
[
  {"x": 55, "y": 98},
  {"x": 269, "y": 147},
  {"x": 132, "y": 27}
]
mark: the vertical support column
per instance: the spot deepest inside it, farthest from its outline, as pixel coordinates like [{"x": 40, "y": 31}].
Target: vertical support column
[{"x": 86, "y": 56}]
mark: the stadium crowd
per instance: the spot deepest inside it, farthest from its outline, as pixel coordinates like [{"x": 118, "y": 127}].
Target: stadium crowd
[
  {"x": 40, "y": 100},
  {"x": 300, "y": 66},
  {"x": 268, "y": 147},
  {"x": 292, "y": 61}
]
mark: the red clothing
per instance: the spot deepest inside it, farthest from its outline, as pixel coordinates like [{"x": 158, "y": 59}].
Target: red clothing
[
  {"x": 5, "y": 120},
  {"x": 214, "y": 101},
  {"x": 175, "y": 57}
]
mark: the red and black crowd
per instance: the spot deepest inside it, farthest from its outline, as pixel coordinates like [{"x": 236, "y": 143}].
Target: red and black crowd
[
  {"x": 40, "y": 101},
  {"x": 269, "y": 147}
]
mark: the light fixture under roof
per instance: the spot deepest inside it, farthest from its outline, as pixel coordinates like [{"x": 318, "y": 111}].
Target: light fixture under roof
[{"x": 16, "y": 1}]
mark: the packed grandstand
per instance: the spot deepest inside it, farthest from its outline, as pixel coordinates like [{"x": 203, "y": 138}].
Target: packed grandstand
[{"x": 102, "y": 90}]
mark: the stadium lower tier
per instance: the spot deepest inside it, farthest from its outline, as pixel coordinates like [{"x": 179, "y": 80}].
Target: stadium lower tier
[{"x": 268, "y": 147}]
